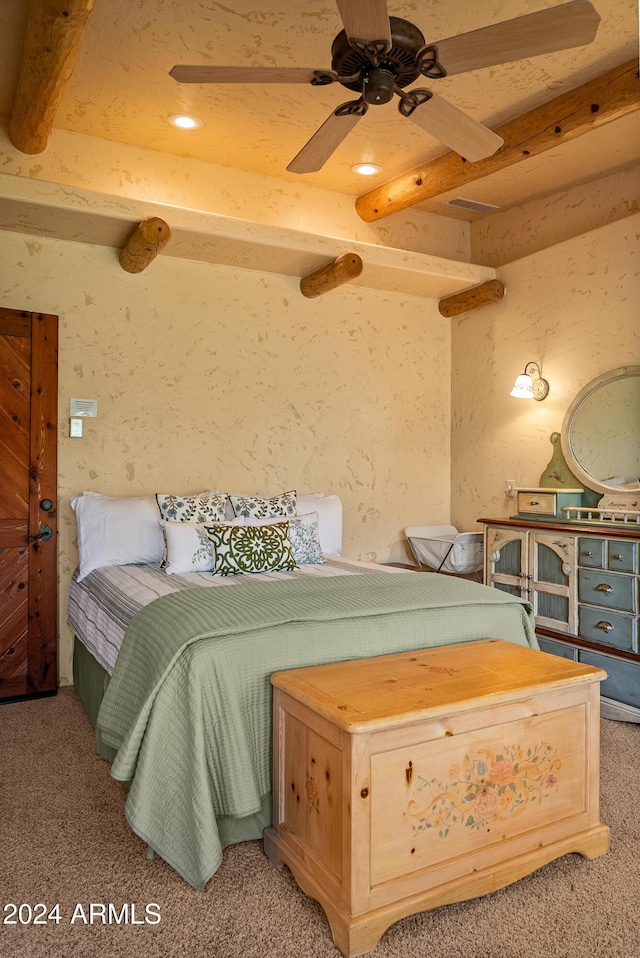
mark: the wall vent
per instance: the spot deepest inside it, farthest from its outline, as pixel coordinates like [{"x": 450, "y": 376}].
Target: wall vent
[{"x": 463, "y": 204}]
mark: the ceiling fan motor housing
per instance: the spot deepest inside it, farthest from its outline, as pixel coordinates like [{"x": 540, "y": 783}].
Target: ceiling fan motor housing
[
  {"x": 378, "y": 86},
  {"x": 395, "y": 67}
]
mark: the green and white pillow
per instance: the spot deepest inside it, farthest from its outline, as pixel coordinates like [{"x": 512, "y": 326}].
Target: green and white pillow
[
  {"x": 305, "y": 539},
  {"x": 240, "y": 549},
  {"x": 192, "y": 508},
  {"x": 188, "y": 547},
  {"x": 304, "y": 536},
  {"x": 260, "y": 507}
]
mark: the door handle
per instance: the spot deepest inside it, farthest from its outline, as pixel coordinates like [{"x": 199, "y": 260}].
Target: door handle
[{"x": 44, "y": 535}]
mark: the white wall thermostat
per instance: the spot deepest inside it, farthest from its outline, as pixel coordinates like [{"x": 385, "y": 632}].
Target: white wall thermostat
[{"x": 75, "y": 428}]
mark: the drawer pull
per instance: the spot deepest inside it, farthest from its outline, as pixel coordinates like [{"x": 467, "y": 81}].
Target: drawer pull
[
  {"x": 605, "y": 626},
  {"x": 588, "y": 554},
  {"x": 534, "y": 502},
  {"x": 617, "y": 556},
  {"x": 604, "y": 587}
]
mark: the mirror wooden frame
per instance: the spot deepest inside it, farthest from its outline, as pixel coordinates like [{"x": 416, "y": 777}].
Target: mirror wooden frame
[{"x": 623, "y": 372}]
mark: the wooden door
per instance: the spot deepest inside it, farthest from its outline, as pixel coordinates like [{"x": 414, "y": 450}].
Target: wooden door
[{"x": 28, "y": 510}]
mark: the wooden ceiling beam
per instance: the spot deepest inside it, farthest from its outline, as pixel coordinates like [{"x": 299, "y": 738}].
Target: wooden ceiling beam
[
  {"x": 608, "y": 97},
  {"x": 340, "y": 270},
  {"x": 52, "y": 41},
  {"x": 147, "y": 240},
  {"x": 483, "y": 295}
]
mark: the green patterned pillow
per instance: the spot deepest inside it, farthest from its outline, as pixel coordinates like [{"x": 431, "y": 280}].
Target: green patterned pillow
[
  {"x": 304, "y": 535},
  {"x": 192, "y": 508},
  {"x": 239, "y": 549},
  {"x": 259, "y": 507}
]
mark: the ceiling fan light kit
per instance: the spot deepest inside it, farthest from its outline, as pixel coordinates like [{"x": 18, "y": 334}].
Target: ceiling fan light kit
[{"x": 378, "y": 55}]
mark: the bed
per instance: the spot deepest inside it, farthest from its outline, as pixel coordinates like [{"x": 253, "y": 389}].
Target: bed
[{"x": 174, "y": 671}]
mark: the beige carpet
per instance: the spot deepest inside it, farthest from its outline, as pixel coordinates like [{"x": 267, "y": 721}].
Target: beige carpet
[{"x": 64, "y": 839}]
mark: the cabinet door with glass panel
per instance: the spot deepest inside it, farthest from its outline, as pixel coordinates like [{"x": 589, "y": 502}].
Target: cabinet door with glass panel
[{"x": 539, "y": 567}]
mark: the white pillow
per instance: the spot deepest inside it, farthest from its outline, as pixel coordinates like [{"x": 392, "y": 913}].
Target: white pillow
[
  {"x": 307, "y": 503},
  {"x": 303, "y": 534},
  {"x": 329, "y": 509},
  {"x": 116, "y": 531},
  {"x": 188, "y": 547}
]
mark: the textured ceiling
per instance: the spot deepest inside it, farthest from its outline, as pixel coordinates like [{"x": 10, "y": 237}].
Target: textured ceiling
[{"x": 121, "y": 89}]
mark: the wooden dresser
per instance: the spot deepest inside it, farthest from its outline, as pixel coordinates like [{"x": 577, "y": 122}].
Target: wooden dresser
[
  {"x": 583, "y": 581},
  {"x": 406, "y": 782}
]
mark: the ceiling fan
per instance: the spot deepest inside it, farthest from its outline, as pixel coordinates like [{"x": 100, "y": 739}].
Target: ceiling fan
[{"x": 378, "y": 56}]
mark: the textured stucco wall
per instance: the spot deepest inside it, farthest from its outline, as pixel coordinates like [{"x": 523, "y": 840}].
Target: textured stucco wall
[
  {"x": 210, "y": 377},
  {"x": 118, "y": 169},
  {"x": 515, "y": 233},
  {"x": 573, "y": 308}
]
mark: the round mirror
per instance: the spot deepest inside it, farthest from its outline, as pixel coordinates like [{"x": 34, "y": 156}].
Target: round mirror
[{"x": 601, "y": 432}]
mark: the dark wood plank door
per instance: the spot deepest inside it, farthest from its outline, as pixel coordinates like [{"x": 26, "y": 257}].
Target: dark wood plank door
[{"x": 28, "y": 506}]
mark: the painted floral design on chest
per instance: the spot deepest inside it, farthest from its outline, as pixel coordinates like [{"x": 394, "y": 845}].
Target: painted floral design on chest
[{"x": 486, "y": 787}]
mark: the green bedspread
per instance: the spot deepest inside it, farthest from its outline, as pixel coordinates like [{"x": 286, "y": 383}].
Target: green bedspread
[{"x": 188, "y": 707}]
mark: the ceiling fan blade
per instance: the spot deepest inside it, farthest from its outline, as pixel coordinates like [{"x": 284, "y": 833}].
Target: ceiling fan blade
[
  {"x": 213, "y": 74},
  {"x": 557, "y": 28},
  {"x": 315, "y": 153},
  {"x": 451, "y": 126},
  {"x": 365, "y": 21}
]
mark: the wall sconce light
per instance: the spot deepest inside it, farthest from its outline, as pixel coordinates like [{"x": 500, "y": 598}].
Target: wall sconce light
[{"x": 530, "y": 385}]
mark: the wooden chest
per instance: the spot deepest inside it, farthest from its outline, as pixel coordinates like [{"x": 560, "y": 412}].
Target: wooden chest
[{"x": 406, "y": 782}]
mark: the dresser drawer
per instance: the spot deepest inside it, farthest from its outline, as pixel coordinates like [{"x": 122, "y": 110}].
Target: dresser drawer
[
  {"x": 592, "y": 553},
  {"x": 619, "y": 555},
  {"x": 562, "y": 649},
  {"x": 537, "y": 503},
  {"x": 623, "y": 682},
  {"x": 609, "y": 590},
  {"x": 622, "y": 555},
  {"x": 617, "y": 629}
]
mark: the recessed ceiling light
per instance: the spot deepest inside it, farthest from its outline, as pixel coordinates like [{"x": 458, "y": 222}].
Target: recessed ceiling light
[
  {"x": 366, "y": 169},
  {"x": 184, "y": 122}
]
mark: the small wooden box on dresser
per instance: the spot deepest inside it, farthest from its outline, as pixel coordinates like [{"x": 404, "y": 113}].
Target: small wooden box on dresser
[
  {"x": 405, "y": 782},
  {"x": 583, "y": 581}
]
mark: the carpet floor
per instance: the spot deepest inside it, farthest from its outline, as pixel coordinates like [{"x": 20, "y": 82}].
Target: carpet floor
[{"x": 64, "y": 841}]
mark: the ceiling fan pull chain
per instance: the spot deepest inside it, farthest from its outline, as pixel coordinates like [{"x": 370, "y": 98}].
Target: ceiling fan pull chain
[
  {"x": 428, "y": 63},
  {"x": 411, "y": 101}
]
